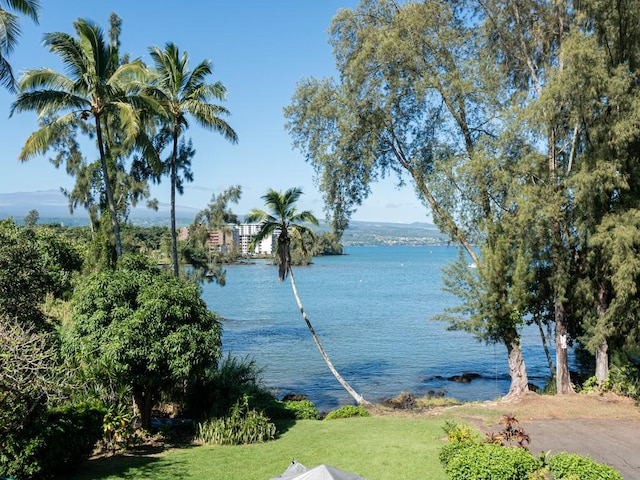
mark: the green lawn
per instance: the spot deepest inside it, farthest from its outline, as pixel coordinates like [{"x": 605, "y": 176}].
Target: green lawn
[{"x": 379, "y": 448}]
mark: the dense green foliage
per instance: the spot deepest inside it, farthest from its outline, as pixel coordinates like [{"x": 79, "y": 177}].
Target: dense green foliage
[
  {"x": 242, "y": 426},
  {"x": 486, "y": 461},
  {"x": 347, "y": 411},
  {"x": 302, "y": 409},
  {"x": 153, "y": 331},
  {"x": 33, "y": 263},
  {"x": 62, "y": 438},
  {"x": 569, "y": 465}
]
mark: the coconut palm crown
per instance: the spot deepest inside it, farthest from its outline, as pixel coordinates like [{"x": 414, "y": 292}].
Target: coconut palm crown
[
  {"x": 284, "y": 220},
  {"x": 95, "y": 86},
  {"x": 184, "y": 92}
]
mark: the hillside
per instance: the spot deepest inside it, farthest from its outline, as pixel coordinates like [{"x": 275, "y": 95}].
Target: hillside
[{"x": 53, "y": 208}]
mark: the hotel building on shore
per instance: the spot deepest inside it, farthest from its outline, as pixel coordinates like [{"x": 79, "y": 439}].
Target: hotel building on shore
[{"x": 240, "y": 237}]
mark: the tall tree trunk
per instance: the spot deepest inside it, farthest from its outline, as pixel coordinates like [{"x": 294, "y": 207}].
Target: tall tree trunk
[
  {"x": 355, "y": 395},
  {"x": 602, "y": 361},
  {"x": 602, "y": 352},
  {"x": 143, "y": 403},
  {"x": 517, "y": 367},
  {"x": 563, "y": 378},
  {"x": 107, "y": 188},
  {"x": 174, "y": 235}
]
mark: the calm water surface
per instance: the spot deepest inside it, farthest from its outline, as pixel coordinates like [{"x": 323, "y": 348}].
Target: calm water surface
[{"x": 371, "y": 309}]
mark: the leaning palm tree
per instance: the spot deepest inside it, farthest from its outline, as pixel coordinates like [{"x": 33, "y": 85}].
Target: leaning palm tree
[
  {"x": 9, "y": 32},
  {"x": 285, "y": 221},
  {"x": 184, "y": 92},
  {"x": 95, "y": 88}
]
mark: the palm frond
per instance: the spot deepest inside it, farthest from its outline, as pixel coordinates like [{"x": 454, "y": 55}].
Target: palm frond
[
  {"x": 208, "y": 116},
  {"x": 42, "y": 139},
  {"x": 129, "y": 121},
  {"x": 197, "y": 77},
  {"x": 208, "y": 93},
  {"x": 45, "y": 102},
  {"x": 45, "y": 78},
  {"x": 29, "y": 8},
  {"x": 128, "y": 74},
  {"x": 305, "y": 217},
  {"x": 69, "y": 51},
  {"x": 7, "y": 79},
  {"x": 95, "y": 49},
  {"x": 9, "y": 32}
]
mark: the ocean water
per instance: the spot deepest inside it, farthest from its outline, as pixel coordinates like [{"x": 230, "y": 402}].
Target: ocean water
[{"x": 372, "y": 311}]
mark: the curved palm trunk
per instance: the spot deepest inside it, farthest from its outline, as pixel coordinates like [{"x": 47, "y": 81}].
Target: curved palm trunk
[
  {"x": 174, "y": 235},
  {"x": 355, "y": 395},
  {"x": 108, "y": 191}
]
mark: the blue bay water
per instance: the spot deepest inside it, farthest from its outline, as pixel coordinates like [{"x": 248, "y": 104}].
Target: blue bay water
[{"x": 371, "y": 310}]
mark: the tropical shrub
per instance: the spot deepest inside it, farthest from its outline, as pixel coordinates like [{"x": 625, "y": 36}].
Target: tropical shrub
[
  {"x": 510, "y": 435},
  {"x": 488, "y": 461},
  {"x": 347, "y": 411},
  {"x": 302, "y": 409},
  {"x": 242, "y": 426},
  {"x": 623, "y": 380},
  {"x": 590, "y": 385},
  {"x": 570, "y": 465},
  {"x": 220, "y": 387},
  {"x": 459, "y": 437},
  {"x": 118, "y": 428},
  {"x": 460, "y": 432}
]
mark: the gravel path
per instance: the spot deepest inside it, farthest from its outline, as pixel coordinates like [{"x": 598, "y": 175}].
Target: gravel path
[{"x": 614, "y": 442}]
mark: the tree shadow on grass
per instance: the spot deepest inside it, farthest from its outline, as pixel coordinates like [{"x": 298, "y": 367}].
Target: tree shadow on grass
[{"x": 144, "y": 462}]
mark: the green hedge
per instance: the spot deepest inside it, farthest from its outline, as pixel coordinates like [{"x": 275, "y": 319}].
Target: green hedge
[
  {"x": 60, "y": 439},
  {"x": 486, "y": 461},
  {"x": 347, "y": 411},
  {"x": 570, "y": 465},
  {"x": 302, "y": 409}
]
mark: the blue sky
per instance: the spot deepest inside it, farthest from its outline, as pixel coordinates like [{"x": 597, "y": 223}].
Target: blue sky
[{"x": 259, "y": 50}]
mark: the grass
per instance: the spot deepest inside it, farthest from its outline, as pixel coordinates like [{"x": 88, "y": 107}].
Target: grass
[{"x": 379, "y": 448}]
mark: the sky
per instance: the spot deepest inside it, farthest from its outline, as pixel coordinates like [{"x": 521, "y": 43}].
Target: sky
[{"x": 259, "y": 49}]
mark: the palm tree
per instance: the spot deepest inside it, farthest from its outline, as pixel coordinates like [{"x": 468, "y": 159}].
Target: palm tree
[
  {"x": 184, "y": 92},
  {"x": 285, "y": 221},
  {"x": 9, "y": 32},
  {"x": 97, "y": 87}
]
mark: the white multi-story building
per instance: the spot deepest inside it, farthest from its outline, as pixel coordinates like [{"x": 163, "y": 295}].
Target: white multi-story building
[{"x": 246, "y": 232}]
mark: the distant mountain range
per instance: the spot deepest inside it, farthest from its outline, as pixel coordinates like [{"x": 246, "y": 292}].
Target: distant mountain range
[{"x": 53, "y": 207}]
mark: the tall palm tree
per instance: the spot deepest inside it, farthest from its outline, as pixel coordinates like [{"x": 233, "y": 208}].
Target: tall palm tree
[
  {"x": 97, "y": 88},
  {"x": 285, "y": 221},
  {"x": 184, "y": 92},
  {"x": 9, "y": 33}
]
